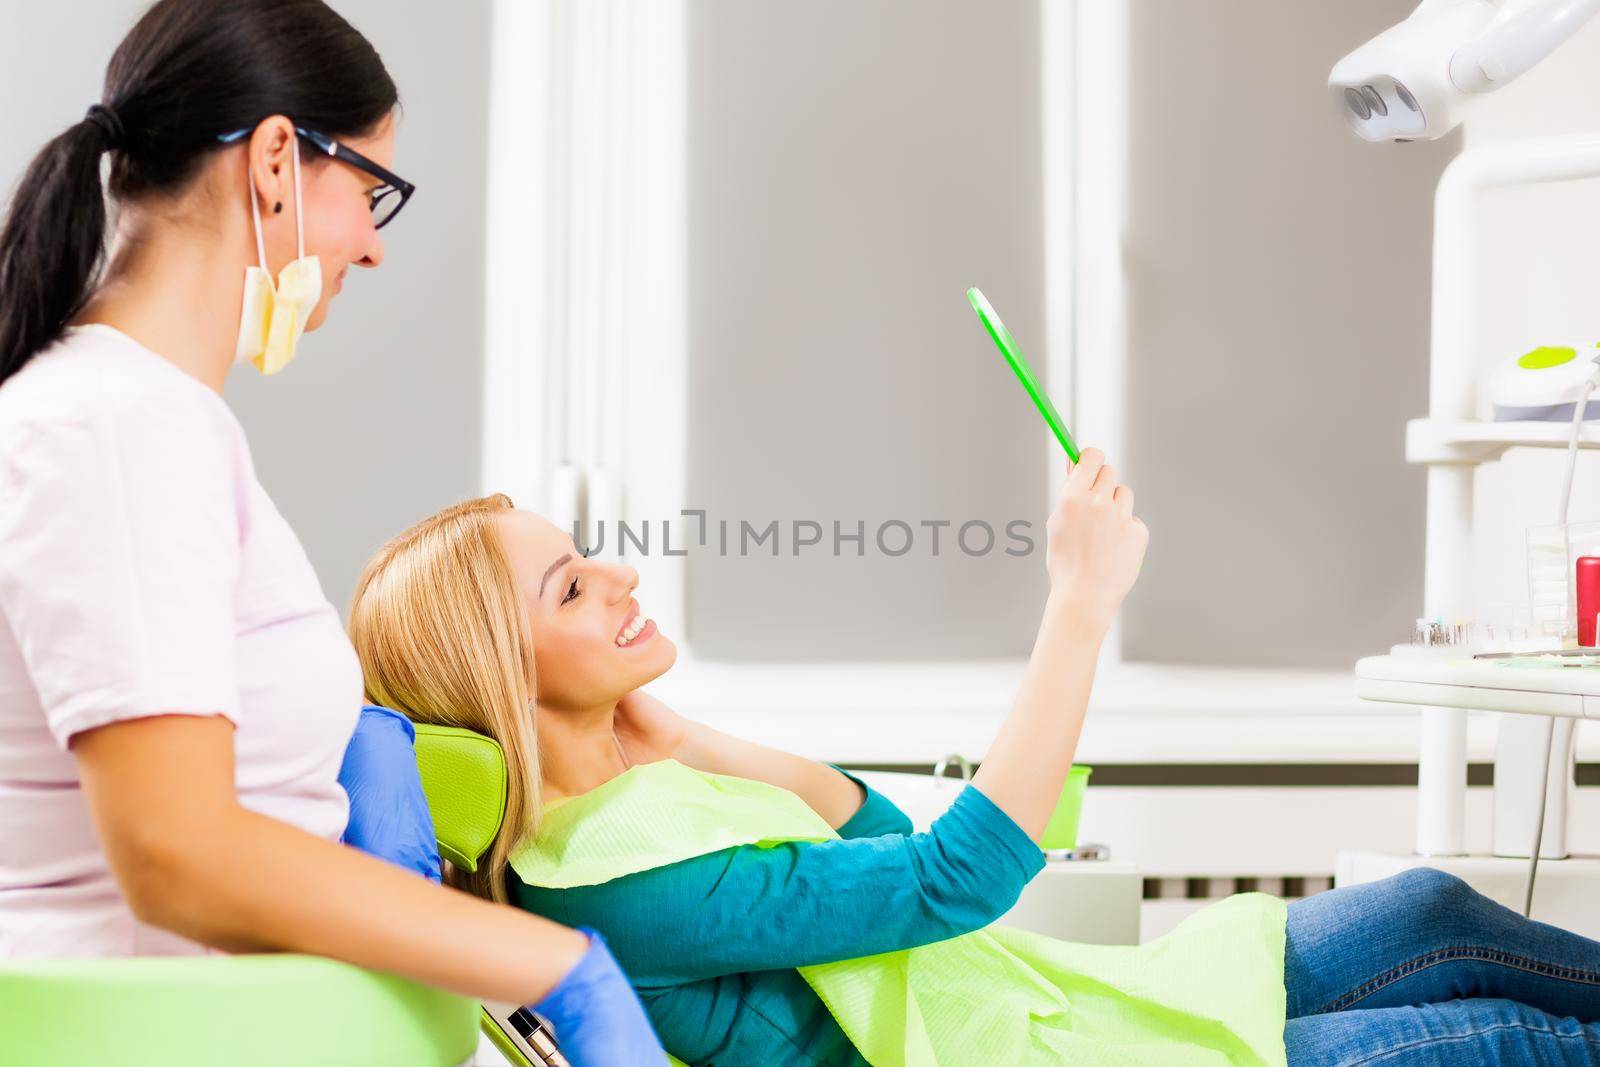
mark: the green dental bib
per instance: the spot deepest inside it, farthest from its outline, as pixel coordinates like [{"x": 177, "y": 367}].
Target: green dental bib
[{"x": 1208, "y": 993}]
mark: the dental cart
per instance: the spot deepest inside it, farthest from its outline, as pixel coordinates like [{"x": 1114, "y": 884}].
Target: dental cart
[
  {"x": 1452, "y": 442},
  {"x": 1565, "y": 891}
]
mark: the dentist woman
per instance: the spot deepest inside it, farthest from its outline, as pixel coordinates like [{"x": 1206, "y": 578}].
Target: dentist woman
[{"x": 176, "y": 692}]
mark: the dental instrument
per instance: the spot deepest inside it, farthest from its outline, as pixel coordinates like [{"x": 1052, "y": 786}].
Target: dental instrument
[
  {"x": 536, "y": 1034},
  {"x": 1414, "y": 80},
  {"x": 1008, "y": 348}
]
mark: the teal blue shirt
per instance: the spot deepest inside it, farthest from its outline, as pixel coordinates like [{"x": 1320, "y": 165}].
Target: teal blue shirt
[{"x": 712, "y": 943}]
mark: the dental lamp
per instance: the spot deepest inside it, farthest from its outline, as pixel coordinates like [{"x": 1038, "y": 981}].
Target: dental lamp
[{"x": 1413, "y": 81}]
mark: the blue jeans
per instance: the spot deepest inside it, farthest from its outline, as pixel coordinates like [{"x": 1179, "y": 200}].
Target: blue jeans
[{"x": 1420, "y": 969}]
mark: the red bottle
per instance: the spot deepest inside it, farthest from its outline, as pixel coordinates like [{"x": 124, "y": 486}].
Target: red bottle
[{"x": 1588, "y": 583}]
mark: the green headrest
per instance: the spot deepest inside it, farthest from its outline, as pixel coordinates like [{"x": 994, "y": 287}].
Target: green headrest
[{"x": 464, "y": 776}]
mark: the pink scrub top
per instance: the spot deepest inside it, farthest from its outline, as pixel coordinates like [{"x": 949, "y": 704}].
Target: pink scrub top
[{"x": 143, "y": 570}]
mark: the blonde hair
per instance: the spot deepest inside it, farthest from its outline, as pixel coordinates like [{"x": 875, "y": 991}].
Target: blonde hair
[{"x": 437, "y": 625}]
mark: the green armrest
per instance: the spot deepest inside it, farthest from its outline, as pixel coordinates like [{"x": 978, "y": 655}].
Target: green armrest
[
  {"x": 464, "y": 777},
  {"x": 238, "y": 1011}
]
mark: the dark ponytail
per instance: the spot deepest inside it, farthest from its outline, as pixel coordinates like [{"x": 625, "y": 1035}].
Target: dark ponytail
[
  {"x": 188, "y": 71},
  {"x": 51, "y": 245}
]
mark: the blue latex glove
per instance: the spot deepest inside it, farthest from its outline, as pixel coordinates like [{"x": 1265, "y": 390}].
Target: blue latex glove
[
  {"x": 389, "y": 815},
  {"x": 597, "y": 1019}
]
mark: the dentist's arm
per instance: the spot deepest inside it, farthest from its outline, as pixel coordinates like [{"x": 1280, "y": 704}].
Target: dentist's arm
[
  {"x": 1095, "y": 548},
  {"x": 190, "y": 859}
]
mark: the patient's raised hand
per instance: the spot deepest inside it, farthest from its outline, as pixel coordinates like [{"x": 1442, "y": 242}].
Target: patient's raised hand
[{"x": 1095, "y": 542}]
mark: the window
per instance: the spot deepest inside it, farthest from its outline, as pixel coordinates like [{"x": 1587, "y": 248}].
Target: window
[{"x": 735, "y": 288}]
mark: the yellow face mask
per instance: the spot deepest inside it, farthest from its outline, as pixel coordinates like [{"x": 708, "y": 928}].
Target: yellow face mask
[{"x": 273, "y": 316}]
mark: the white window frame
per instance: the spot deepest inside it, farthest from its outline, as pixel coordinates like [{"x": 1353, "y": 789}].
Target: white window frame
[{"x": 587, "y": 227}]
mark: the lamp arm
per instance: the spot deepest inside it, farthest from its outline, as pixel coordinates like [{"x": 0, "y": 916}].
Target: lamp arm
[{"x": 1515, "y": 41}]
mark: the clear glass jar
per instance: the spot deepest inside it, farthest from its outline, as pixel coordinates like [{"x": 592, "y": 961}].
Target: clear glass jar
[{"x": 1553, "y": 553}]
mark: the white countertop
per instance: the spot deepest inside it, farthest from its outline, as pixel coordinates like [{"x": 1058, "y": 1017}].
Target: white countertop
[{"x": 1485, "y": 685}]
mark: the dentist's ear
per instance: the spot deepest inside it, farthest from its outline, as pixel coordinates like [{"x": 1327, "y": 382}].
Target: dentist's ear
[{"x": 270, "y": 167}]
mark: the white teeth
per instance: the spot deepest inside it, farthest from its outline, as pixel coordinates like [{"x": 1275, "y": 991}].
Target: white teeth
[{"x": 632, "y": 631}]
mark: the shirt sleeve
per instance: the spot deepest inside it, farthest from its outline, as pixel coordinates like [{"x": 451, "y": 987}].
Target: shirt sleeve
[
  {"x": 877, "y": 815},
  {"x": 793, "y": 905},
  {"x": 119, "y": 555},
  {"x": 389, "y": 816}
]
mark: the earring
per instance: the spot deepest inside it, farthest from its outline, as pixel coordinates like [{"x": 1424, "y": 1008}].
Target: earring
[{"x": 277, "y": 208}]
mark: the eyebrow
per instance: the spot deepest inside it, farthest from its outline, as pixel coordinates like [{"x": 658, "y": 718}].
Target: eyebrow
[{"x": 557, "y": 565}]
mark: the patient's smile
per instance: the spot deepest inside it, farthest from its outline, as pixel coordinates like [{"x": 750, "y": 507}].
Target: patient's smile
[{"x": 636, "y": 630}]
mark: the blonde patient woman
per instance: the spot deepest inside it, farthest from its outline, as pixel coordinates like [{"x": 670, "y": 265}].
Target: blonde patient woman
[
  {"x": 176, "y": 692},
  {"x": 774, "y": 910}
]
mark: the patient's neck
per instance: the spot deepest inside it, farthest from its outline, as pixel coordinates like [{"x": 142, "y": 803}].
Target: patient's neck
[{"x": 577, "y": 750}]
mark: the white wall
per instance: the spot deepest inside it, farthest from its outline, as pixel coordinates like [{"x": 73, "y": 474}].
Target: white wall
[
  {"x": 377, "y": 424},
  {"x": 853, "y": 168},
  {"x": 1278, "y": 274}
]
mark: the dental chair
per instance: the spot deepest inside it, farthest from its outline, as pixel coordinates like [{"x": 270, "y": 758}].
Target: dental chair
[
  {"x": 464, "y": 777},
  {"x": 243, "y": 1011}
]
